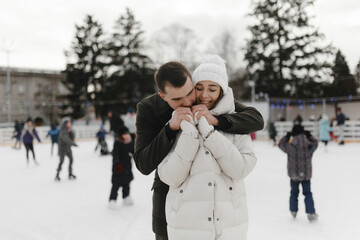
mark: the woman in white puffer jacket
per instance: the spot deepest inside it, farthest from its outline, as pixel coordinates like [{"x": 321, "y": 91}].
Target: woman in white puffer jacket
[{"x": 205, "y": 169}]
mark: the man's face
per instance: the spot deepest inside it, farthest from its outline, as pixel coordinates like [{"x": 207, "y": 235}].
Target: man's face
[{"x": 179, "y": 97}]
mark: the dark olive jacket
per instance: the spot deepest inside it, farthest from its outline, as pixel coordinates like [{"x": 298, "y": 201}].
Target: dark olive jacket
[{"x": 152, "y": 143}]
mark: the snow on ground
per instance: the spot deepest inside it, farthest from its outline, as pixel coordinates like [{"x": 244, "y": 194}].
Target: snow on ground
[{"x": 35, "y": 207}]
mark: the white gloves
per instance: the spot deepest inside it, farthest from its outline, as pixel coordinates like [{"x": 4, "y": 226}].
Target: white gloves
[
  {"x": 188, "y": 128},
  {"x": 204, "y": 127}
]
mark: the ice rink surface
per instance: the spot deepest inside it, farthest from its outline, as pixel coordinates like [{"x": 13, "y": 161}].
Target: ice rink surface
[{"x": 35, "y": 207}]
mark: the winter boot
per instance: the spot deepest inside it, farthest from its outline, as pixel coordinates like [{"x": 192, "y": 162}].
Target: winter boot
[
  {"x": 312, "y": 217},
  {"x": 72, "y": 176},
  {"x": 57, "y": 177},
  {"x": 112, "y": 204},
  {"x": 293, "y": 214},
  {"x": 128, "y": 201}
]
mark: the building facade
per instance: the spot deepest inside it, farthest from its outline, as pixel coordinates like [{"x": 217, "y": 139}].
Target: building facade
[{"x": 33, "y": 93}]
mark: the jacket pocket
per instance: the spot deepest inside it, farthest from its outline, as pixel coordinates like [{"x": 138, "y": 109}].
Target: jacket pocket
[
  {"x": 176, "y": 196},
  {"x": 237, "y": 191}
]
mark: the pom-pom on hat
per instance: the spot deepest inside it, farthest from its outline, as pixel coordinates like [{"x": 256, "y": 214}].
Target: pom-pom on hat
[{"x": 212, "y": 68}]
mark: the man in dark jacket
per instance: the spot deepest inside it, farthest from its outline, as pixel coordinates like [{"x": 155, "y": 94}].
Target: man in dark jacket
[
  {"x": 66, "y": 140},
  {"x": 340, "y": 122},
  {"x": 157, "y": 128},
  {"x": 115, "y": 121}
]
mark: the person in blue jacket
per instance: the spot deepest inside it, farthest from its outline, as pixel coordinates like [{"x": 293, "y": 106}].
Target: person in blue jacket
[
  {"x": 54, "y": 134},
  {"x": 100, "y": 135},
  {"x": 27, "y": 135}
]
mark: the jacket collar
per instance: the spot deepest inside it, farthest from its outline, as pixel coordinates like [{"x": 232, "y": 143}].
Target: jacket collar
[
  {"x": 160, "y": 106},
  {"x": 225, "y": 105}
]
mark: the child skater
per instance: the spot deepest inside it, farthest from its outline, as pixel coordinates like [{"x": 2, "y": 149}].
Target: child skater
[
  {"x": 121, "y": 168},
  {"x": 300, "y": 149},
  {"x": 28, "y": 134},
  {"x": 100, "y": 135},
  {"x": 54, "y": 134}
]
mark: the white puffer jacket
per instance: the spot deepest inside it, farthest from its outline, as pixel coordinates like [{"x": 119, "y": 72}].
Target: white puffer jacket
[{"x": 206, "y": 200}]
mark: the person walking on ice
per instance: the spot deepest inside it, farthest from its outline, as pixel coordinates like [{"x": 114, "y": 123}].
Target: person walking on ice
[
  {"x": 66, "y": 141},
  {"x": 300, "y": 146},
  {"x": 122, "y": 168}
]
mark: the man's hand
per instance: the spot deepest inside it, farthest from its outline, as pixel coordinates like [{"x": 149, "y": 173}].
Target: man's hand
[
  {"x": 204, "y": 111},
  {"x": 179, "y": 115}
]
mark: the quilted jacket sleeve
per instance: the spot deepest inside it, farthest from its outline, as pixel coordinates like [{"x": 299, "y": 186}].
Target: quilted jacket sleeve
[
  {"x": 175, "y": 167},
  {"x": 236, "y": 159}
]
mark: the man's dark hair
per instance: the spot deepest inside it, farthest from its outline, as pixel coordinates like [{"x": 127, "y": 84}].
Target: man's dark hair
[{"x": 174, "y": 73}]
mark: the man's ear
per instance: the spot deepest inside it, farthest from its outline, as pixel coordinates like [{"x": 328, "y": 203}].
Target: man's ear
[{"x": 162, "y": 95}]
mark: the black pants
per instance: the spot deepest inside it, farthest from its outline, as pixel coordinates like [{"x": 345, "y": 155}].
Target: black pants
[
  {"x": 62, "y": 157},
  {"x": 158, "y": 237},
  {"x": 29, "y": 146},
  {"x": 115, "y": 188}
]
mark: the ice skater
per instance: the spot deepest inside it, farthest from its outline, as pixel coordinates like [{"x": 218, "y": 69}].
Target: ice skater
[
  {"x": 272, "y": 132},
  {"x": 54, "y": 134},
  {"x": 66, "y": 140},
  {"x": 324, "y": 130},
  {"x": 27, "y": 135},
  {"x": 100, "y": 135},
  {"x": 300, "y": 149},
  {"x": 17, "y": 134},
  {"x": 122, "y": 168}
]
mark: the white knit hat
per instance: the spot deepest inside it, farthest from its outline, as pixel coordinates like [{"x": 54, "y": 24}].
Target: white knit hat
[{"x": 212, "y": 68}]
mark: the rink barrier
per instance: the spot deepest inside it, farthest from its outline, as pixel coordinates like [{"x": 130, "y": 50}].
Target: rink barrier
[
  {"x": 81, "y": 132},
  {"x": 351, "y": 129}
]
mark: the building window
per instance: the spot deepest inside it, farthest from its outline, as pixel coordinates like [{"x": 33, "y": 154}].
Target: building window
[{"x": 21, "y": 89}]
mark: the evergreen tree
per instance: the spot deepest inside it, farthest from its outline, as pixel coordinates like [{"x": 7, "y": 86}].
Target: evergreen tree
[
  {"x": 132, "y": 75},
  {"x": 76, "y": 84},
  {"x": 283, "y": 54},
  {"x": 88, "y": 60},
  {"x": 357, "y": 77},
  {"x": 344, "y": 83}
]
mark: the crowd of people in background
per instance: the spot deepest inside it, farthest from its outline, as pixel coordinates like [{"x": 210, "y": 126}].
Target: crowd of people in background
[{"x": 192, "y": 125}]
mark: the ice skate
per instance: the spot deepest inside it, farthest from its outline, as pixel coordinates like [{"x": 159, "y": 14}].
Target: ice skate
[
  {"x": 293, "y": 214},
  {"x": 72, "y": 176},
  {"x": 312, "y": 217},
  {"x": 128, "y": 201},
  {"x": 112, "y": 204},
  {"x": 57, "y": 178}
]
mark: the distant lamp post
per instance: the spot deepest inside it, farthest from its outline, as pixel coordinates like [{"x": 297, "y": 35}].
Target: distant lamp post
[
  {"x": 252, "y": 85},
  {"x": 8, "y": 84}
]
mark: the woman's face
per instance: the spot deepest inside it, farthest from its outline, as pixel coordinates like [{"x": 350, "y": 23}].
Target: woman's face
[{"x": 207, "y": 93}]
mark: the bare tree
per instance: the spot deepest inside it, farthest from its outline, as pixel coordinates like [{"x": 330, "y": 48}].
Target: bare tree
[
  {"x": 225, "y": 45},
  {"x": 174, "y": 43}
]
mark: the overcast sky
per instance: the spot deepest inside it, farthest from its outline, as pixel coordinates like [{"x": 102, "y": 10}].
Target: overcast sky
[{"x": 38, "y": 31}]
